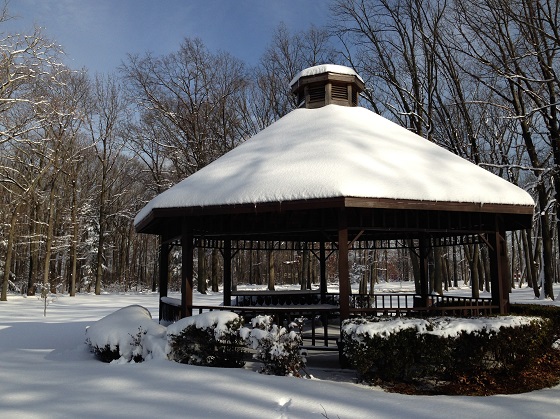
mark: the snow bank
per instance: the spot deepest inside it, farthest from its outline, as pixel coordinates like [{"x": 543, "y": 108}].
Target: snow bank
[{"x": 119, "y": 330}]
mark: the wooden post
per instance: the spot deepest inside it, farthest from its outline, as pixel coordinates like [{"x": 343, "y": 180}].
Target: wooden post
[
  {"x": 343, "y": 280},
  {"x": 163, "y": 273},
  {"x": 227, "y": 272},
  {"x": 424, "y": 274},
  {"x": 343, "y": 274},
  {"x": 187, "y": 270},
  {"x": 323, "y": 272}
]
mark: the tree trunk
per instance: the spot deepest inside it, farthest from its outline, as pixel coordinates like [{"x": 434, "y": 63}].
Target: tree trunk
[
  {"x": 306, "y": 274},
  {"x": 415, "y": 260},
  {"x": 271, "y": 271},
  {"x": 439, "y": 266},
  {"x": 530, "y": 262},
  {"x": 75, "y": 238},
  {"x": 201, "y": 283},
  {"x": 215, "y": 270},
  {"x": 8, "y": 260},
  {"x": 101, "y": 239},
  {"x": 473, "y": 258},
  {"x": 49, "y": 238}
]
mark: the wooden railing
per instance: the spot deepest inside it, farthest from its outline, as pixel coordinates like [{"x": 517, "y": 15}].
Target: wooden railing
[
  {"x": 413, "y": 304},
  {"x": 313, "y": 319},
  {"x": 282, "y": 298},
  {"x": 315, "y": 309}
]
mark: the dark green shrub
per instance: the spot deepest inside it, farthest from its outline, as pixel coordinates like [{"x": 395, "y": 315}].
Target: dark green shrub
[
  {"x": 412, "y": 349},
  {"x": 278, "y": 348},
  {"x": 127, "y": 335},
  {"x": 545, "y": 311},
  {"x": 209, "y": 339},
  {"x": 105, "y": 353}
]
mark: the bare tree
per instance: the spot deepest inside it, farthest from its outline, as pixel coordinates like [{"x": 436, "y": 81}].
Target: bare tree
[
  {"x": 107, "y": 109},
  {"x": 63, "y": 112},
  {"x": 193, "y": 97},
  {"x": 286, "y": 56},
  {"x": 26, "y": 62},
  {"x": 515, "y": 45}
]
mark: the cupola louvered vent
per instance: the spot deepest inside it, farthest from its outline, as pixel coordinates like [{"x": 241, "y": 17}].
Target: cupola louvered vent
[
  {"x": 317, "y": 93},
  {"x": 339, "y": 92},
  {"x": 327, "y": 84}
]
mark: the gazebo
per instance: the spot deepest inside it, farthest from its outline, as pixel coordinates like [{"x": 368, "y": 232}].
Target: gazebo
[{"x": 337, "y": 176}]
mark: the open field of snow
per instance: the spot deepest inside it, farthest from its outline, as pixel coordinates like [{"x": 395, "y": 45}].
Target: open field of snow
[{"x": 46, "y": 371}]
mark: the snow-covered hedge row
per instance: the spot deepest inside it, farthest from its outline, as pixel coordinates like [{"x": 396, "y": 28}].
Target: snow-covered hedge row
[
  {"x": 443, "y": 348},
  {"x": 128, "y": 334}
]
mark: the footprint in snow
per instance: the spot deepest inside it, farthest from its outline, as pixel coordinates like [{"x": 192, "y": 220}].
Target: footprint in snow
[{"x": 283, "y": 405}]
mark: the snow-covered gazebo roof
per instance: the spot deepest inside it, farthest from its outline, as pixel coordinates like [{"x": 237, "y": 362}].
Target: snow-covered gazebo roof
[{"x": 334, "y": 152}]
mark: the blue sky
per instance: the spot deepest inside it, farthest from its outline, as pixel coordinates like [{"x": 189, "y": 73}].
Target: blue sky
[{"x": 98, "y": 34}]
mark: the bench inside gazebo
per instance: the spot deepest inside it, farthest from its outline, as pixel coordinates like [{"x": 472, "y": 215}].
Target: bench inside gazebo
[{"x": 336, "y": 178}]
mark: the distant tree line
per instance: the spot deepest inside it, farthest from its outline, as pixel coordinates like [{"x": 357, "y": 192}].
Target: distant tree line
[{"x": 80, "y": 154}]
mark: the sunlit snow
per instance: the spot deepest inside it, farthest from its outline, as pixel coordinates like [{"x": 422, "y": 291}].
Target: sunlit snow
[{"x": 47, "y": 371}]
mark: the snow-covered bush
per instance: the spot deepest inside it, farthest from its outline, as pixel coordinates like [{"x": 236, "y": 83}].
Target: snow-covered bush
[
  {"x": 406, "y": 349},
  {"x": 278, "y": 348},
  {"x": 128, "y": 334},
  {"x": 208, "y": 339},
  {"x": 549, "y": 312}
]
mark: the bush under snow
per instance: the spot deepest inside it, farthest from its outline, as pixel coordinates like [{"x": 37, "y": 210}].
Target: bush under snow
[
  {"x": 278, "y": 348},
  {"x": 443, "y": 348},
  {"x": 128, "y": 334},
  {"x": 208, "y": 339}
]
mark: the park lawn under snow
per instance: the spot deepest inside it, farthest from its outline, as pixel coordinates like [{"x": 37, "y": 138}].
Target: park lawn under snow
[{"x": 46, "y": 371}]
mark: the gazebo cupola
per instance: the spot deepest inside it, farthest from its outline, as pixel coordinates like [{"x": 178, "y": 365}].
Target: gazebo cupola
[{"x": 327, "y": 84}]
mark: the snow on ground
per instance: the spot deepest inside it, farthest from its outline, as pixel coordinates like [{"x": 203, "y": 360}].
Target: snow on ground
[{"x": 47, "y": 371}]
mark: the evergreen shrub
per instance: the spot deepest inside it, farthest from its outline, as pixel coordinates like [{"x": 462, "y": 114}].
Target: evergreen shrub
[
  {"x": 127, "y": 335},
  {"x": 105, "y": 353},
  {"x": 208, "y": 339},
  {"x": 546, "y": 311},
  {"x": 278, "y": 348},
  {"x": 406, "y": 350}
]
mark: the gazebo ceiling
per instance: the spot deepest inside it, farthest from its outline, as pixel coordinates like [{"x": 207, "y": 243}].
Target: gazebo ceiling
[{"x": 319, "y": 220}]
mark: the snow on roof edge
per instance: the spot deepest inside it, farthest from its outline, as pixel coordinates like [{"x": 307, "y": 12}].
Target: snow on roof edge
[{"x": 325, "y": 68}]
